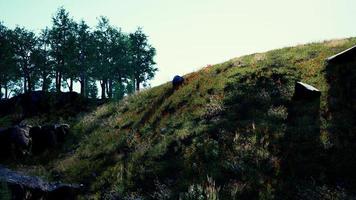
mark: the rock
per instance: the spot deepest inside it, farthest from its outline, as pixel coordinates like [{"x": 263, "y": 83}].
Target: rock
[
  {"x": 38, "y": 141},
  {"x": 301, "y": 142},
  {"x": 61, "y": 131},
  {"x": 18, "y": 140},
  {"x": 304, "y": 91},
  {"x": 20, "y": 136},
  {"x": 5, "y": 143},
  {"x": 304, "y": 109},
  {"x": 15, "y": 141},
  {"x": 48, "y": 136},
  {"x": 38, "y": 102},
  {"x": 177, "y": 81},
  {"x": 29, "y": 187}
]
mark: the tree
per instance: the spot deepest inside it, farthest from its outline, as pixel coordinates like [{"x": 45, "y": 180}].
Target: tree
[
  {"x": 24, "y": 43},
  {"x": 102, "y": 70},
  {"x": 71, "y": 56},
  {"x": 142, "y": 55},
  {"x": 119, "y": 54},
  {"x": 70, "y": 52},
  {"x": 85, "y": 45},
  {"x": 42, "y": 61},
  {"x": 61, "y": 41},
  {"x": 8, "y": 70}
]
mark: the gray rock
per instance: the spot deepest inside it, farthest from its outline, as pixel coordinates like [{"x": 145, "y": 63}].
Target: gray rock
[
  {"x": 15, "y": 141},
  {"x": 48, "y": 136},
  {"x": 20, "y": 136},
  {"x": 61, "y": 131},
  {"x": 177, "y": 81},
  {"x": 304, "y": 91},
  {"x": 30, "y": 187}
]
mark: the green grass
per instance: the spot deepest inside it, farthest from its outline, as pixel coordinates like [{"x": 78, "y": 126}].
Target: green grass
[{"x": 219, "y": 136}]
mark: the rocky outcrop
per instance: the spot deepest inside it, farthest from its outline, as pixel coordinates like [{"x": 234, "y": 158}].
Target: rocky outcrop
[
  {"x": 305, "y": 92},
  {"x": 302, "y": 138},
  {"x": 340, "y": 73},
  {"x": 15, "y": 141},
  {"x": 19, "y": 141},
  {"x": 177, "y": 81},
  {"x": 48, "y": 136},
  {"x": 39, "y": 102},
  {"x": 22, "y": 187}
]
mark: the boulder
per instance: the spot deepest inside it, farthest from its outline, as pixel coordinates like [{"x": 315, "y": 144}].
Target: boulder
[
  {"x": 31, "y": 187},
  {"x": 5, "y": 142},
  {"x": 301, "y": 142},
  {"x": 304, "y": 91},
  {"x": 177, "y": 81},
  {"x": 19, "y": 139},
  {"x": 38, "y": 102},
  {"x": 48, "y": 136},
  {"x": 15, "y": 141},
  {"x": 61, "y": 131},
  {"x": 38, "y": 142},
  {"x": 20, "y": 136}
]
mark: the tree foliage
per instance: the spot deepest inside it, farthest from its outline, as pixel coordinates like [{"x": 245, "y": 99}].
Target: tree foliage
[{"x": 70, "y": 52}]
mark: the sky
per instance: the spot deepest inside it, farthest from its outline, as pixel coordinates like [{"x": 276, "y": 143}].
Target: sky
[{"x": 191, "y": 34}]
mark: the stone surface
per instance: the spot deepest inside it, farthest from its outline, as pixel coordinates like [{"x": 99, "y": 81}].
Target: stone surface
[
  {"x": 15, "y": 141},
  {"x": 39, "y": 102},
  {"x": 29, "y": 187},
  {"x": 301, "y": 142},
  {"x": 349, "y": 55},
  {"x": 20, "y": 138},
  {"x": 177, "y": 81},
  {"x": 48, "y": 136},
  {"x": 304, "y": 91},
  {"x": 23, "y": 140}
]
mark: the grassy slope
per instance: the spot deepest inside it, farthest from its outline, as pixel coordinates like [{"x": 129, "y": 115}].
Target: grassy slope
[{"x": 212, "y": 135}]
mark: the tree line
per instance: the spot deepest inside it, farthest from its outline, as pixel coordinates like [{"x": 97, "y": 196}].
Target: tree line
[{"x": 71, "y": 52}]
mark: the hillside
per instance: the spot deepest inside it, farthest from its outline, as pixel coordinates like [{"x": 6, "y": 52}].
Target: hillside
[{"x": 221, "y": 135}]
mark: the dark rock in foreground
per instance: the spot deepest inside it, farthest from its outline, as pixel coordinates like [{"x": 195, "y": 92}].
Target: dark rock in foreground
[
  {"x": 15, "y": 141},
  {"x": 302, "y": 137},
  {"x": 304, "y": 91},
  {"x": 18, "y": 141},
  {"x": 29, "y": 187},
  {"x": 48, "y": 136}
]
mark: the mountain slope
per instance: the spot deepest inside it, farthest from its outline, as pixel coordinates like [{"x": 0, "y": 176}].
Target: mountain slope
[{"x": 221, "y": 134}]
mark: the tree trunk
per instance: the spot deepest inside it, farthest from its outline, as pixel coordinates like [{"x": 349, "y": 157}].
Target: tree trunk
[
  {"x": 137, "y": 85},
  {"x": 59, "y": 83},
  {"x": 6, "y": 89},
  {"x": 29, "y": 84},
  {"x": 103, "y": 83},
  {"x": 56, "y": 79},
  {"x": 24, "y": 84},
  {"x": 70, "y": 85},
  {"x": 82, "y": 87},
  {"x": 86, "y": 88},
  {"x": 44, "y": 83},
  {"x": 59, "y": 78},
  {"x": 120, "y": 92},
  {"x": 82, "y": 84},
  {"x": 106, "y": 87},
  {"x": 110, "y": 88}
]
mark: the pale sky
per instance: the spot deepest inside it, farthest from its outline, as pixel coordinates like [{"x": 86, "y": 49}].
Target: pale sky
[{"x": 190, "y": 34}]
